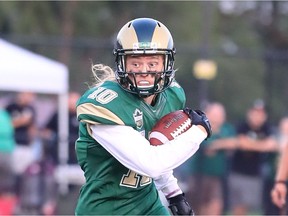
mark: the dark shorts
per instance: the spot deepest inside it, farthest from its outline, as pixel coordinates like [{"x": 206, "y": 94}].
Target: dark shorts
[
  {"x": 6, "y": 173},
  {"x": 211, "y": 188},
  {"x": 245, "y": 190}
]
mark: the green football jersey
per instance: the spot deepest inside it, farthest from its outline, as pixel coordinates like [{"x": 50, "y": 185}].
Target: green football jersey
[{"x": 110, "y": 187}]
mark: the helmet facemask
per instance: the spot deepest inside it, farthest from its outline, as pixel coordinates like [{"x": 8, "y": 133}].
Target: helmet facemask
[{"x": 162, "y": 79}]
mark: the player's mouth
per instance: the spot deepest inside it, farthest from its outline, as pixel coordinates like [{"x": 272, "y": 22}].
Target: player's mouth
[{"x": 144, "y": 83}]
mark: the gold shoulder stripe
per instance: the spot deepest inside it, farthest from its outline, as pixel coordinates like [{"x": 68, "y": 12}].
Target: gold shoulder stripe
[
  {"x": 89, "y": 121},
  {"x": 92, "y": 109}
]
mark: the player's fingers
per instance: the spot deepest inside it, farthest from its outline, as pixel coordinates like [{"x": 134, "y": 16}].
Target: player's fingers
[{"x": 277, "y": 199}]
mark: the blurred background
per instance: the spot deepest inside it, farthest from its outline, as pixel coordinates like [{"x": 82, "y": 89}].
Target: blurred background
[
  {"x": 247, "y": 40},
  {"x": 233, "y": 52}
]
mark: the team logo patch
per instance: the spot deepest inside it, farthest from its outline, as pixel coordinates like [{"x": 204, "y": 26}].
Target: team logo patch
[
  {"x": 145, "y": 45},
  {"x": 138, "y": 118}
]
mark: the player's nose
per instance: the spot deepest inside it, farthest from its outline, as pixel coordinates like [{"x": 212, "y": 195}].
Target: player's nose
[{"x": 145, "y": 69}]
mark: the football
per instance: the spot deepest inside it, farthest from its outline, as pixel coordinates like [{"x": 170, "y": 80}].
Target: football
[{"x": 169, "y": 126}]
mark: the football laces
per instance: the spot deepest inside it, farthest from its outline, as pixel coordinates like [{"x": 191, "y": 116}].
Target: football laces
[{"x": 182, "y": 128}]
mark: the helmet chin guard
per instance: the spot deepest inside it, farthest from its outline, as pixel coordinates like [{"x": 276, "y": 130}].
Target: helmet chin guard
[{"x": 144, "y": 36}]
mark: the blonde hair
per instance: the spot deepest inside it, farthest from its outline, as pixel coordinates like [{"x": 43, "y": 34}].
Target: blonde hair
[{"x": 101, "y": 73}]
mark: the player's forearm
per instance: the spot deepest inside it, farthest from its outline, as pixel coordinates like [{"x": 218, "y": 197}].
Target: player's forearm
[
  {"x": 167, "y": 183},
  {"x": 131, "y": 149},
  {"x": 282, "y": 171},
  {"x": 268, "y": 144},
  {"x": 225, "y": 143}
]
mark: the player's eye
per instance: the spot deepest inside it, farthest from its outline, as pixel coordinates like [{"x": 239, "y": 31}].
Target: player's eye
[
  {"x": 135, "y": 65},
  {"x": 153, "y": 64}
]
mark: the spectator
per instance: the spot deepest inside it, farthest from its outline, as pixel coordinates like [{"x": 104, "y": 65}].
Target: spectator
[
  {"x": 279, "y": 191},
  {"x": 7, "y": 144},
  {"x": 245, "y": 181},
  {"x": 213, "y": 165},
  {"x": 260, "y": 148},
  {"x": 283, "y": 132},
  {"x": 50, "y": 135},
  {"x": 270, "y": 167},
  {"x": 50, "y": 131},
  {"x": 23, "y": 117}
]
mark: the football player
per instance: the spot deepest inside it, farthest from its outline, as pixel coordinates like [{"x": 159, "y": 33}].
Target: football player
[{"x": 122, "y": 170}]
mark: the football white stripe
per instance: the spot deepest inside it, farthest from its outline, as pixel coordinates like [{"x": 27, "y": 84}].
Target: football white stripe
[{"x": 159, "y": 136}]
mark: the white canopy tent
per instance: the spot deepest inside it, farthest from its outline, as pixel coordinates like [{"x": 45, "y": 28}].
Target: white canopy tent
[{"x": 23, "y": 70}]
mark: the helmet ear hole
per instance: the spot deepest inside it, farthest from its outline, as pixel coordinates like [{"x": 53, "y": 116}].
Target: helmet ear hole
[{"x": 144, "y": 36}]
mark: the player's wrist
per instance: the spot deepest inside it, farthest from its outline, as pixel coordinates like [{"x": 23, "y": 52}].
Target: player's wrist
[
  {"x": 280, "y": 181},
  {"x": 173, "y": 193},
  {"x": 199, "y": 118},
  {"x": 202, "y": 129},
  {"x": 176, "y": 198},
  {"x": 197, "y": 133}
]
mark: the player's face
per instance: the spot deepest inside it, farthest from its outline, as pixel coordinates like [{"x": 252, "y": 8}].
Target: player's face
[
  {"x": 142, "y": 65},
  {"x": 256, "y": 117}
]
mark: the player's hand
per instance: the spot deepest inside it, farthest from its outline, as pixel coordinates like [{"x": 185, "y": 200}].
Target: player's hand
[
  {"x": 199, "y": 118},
  {"x": 278, "y": 194},
  {"x": 179, "y": 206}
]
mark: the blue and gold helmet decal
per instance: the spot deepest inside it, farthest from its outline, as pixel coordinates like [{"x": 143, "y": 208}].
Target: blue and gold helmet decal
[{"x": 144, "y": 36}]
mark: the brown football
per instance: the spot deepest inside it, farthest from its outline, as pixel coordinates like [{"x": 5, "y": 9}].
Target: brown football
[{"x": 169, "y": 126}]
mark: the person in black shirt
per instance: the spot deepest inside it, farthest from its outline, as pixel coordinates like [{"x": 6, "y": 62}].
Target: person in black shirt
[
  {"x": 23, "y": 116},
  {"x": 245, "y": 181},
  {"x": 50, "y": 132},
  {"x": 255, "y": 150},
  {"x": 50, "y": 137}
]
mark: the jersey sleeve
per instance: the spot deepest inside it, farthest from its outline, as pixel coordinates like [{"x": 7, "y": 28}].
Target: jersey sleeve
[
  {"x": 167, "y": 183},
  {"x": 144, "y": 158},
  {"x": 99, "y": 106}
]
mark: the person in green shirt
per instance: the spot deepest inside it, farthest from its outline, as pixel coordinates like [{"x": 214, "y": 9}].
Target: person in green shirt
[
  {"x": 214, "y": 164},
  {"x": 208, "y": 169},
  {"x": 7, "y": 144},
  {"x": 122, "y": 170}
]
